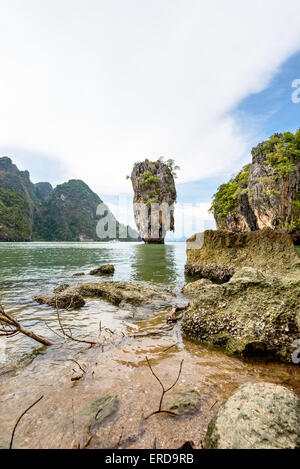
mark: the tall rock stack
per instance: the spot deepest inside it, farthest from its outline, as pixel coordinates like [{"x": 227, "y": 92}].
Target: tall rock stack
[
  {"x": 266, "y": 193},
  {"x": 154, "y": 198}
]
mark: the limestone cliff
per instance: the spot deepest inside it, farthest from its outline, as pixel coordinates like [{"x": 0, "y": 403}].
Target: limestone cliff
[
  {"x": 154, "y": 196},
  {"x": 266, "y": 193},
  {"x": 17, "y": 202},
  {"x": 37, "y": 212}
]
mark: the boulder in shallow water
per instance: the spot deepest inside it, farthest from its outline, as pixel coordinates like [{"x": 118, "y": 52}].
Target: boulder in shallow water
[
  {"x": 257, "y": 416},
  {"x": 252, "y": 315},
  {"x": 107, "y": 269},
  {"x": 64, "y": 300},
  {"x": 138, "y": 294},
  {"x": 134, "y": 293}
]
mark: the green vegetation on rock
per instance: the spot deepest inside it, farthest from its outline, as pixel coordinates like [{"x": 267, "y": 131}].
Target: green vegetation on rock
[
  {"x": 282, "y": 152},
  {"x": 226, "y": 197},
  {"x": 265, "y": 194}
]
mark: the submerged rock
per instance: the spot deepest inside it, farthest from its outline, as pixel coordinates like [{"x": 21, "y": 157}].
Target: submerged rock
[
  {"x": 107, "y": 269},
  {"x": 64, "y": 300},
  {"x": 251, "y": 315},
  {"x": 217, "y": 255},
  {"x": 257, "y": 416},
  {"x": 102, "y": 408},
  {"x": 187, "y": 402}
]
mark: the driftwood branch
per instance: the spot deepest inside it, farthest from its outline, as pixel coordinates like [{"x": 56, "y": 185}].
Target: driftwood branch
[
  {"x": 20, "y": 418},
  {"x": 11, "y": 327},
  {"x": 164, "y": 391}
]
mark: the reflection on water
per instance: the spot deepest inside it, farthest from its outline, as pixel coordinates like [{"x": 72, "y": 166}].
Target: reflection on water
[{"x": 156, "y": 263}]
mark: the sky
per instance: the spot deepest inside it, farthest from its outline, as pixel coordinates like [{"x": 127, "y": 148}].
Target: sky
[{"x": 88, "y": 87}]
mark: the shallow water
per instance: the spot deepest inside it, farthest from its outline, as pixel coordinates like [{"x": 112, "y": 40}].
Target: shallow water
[
  {"x": 28, "y": 269},
  {"x": 117, "y": 368}
]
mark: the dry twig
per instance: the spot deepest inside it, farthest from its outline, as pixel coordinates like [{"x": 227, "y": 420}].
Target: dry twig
[
  {"x": 19, "y": 419},
  {"x": 164, "y": 391},
  {"x": 70, "y": 336}
]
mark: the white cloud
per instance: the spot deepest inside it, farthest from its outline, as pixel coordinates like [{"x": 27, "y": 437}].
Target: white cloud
[{"x": 100, "y": 84}]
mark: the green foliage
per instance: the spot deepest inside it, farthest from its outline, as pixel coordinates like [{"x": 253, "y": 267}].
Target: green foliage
[
  {"x": 171, "y": 165},
  {"x": 296, "y": 213},
  {"x": 148, "y": 179},
  {"x": 227, "y": 195},
  {"x": 282, "y": 153},
  {"x": 15, "y": 216}
]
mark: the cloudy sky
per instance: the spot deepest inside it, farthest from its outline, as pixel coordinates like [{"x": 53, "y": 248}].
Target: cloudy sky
[{"x": 88, "y": 87}]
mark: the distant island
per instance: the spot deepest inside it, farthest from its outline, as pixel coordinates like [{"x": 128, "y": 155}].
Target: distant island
[{"x": 39, "y": 212}]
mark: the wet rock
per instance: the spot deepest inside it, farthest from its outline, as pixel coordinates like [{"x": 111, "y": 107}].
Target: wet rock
[
  {"x": 79, "y": 274},
  {"x": 61, "y": 288},
  {"x": 139, "y": 294},
  {"x": 188, "y": 402},
  {"x": 252, "y": 315},
  {"x": 217, "y": 255},
  {"x": 64, "y": 300},
  {"x": 191, "y": 288},
  {"x": 102, "y": 408},
  {"x": 257, "y": 416},
  {"x": 107, "y": 269},
  {"x": 134, "y": 293}
]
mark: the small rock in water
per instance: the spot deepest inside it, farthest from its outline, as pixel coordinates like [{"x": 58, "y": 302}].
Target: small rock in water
[
  {"x": 79, "y": 274},
  {"x": 107, "y": 269},
  {"x": 61, "y": 288},
  {"x": 187, "y": 402},
  {"x": 101, "y": 409}
]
